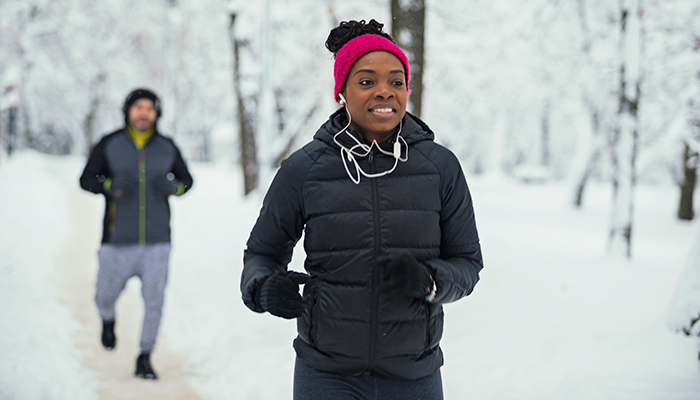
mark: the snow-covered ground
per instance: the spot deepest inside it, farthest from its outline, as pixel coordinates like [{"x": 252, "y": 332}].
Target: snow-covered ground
[{"x": 553, "y": 317}]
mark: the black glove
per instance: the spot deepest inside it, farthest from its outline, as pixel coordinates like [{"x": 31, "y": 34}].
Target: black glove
[
  {"x": 279, "y": 294},
  {"x": 165, "y": 185},
  {"x": 406, "y": 276},
  {"x": 122, "y": 186}
]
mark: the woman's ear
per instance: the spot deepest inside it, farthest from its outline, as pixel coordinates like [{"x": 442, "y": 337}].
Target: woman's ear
[{"x": 343, "y": 101}]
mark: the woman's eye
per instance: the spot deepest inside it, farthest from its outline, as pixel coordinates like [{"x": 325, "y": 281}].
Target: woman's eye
[
  {"x": 398, "y": 83},
  {"x": 365, "y": 82}
]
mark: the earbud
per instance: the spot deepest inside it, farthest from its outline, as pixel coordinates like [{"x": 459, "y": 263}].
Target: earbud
[
  {"x": 342, "y": 99},
  {"x": 397, "y": 150}
]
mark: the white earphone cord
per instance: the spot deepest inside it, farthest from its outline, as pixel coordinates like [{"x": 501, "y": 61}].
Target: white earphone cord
[{"x": 352, "y": 152}]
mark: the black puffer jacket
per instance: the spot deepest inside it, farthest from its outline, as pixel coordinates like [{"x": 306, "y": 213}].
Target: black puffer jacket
[{"x": 423, "y": 208}]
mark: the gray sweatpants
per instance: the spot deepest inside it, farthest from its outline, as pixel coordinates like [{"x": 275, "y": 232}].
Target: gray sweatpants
[{"x": 118, "y": 263}]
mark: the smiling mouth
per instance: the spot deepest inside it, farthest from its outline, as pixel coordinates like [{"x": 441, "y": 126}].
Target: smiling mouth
[{"x": 382, "y": 110}]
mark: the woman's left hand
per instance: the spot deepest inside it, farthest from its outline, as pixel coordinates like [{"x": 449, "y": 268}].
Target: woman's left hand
[{"x": 408, "y": 277}]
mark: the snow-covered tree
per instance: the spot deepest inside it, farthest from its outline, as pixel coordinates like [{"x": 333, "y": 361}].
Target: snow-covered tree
[
  {"x": 596, "y": 74},
  {"x": 672, "y": 106},
  {"x": 625, "y": 141},
  {"x": 408, "y": 30},
  {"x": 247, "y": 147},
  {"x": 507, "y": 85}
]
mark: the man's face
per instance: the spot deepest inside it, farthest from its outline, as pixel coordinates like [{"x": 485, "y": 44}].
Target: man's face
[{"x": 142, "y": 114}]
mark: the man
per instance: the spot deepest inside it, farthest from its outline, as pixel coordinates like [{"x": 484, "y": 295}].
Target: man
[{"x": 136, "y": 169}]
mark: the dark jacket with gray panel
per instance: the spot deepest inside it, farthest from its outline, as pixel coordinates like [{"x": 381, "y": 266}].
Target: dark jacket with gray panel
[
  {"x": 142, "y": 216},
  {"x": 424, "y": 208}
]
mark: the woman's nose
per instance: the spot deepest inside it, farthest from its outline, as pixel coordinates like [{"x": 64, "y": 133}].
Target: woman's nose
[{"x": 383, "y": 92}]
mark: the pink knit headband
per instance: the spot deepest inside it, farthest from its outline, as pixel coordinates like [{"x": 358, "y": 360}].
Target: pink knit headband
[{"x": 358, "y": 47}]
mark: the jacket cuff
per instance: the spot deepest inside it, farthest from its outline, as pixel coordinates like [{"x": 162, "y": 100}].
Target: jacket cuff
[
  {"x": 107, "y": 185},
  {"x": 180, "y": 189}
]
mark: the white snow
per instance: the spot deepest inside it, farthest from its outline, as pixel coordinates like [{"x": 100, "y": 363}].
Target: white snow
[{"x": 552, "y": 318}]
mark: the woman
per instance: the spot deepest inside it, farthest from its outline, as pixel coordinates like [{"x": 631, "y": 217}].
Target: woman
[{"x": 389, "y": 233}]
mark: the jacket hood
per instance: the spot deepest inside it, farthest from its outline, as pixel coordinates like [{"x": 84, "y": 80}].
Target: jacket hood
[{"x": 413, "y": 130}]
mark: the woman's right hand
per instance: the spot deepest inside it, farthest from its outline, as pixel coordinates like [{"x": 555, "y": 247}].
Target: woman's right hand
[{"x": 279, "y": 294}]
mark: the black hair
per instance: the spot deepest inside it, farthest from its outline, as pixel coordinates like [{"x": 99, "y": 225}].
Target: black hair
[
  {"x": 348, "y": 30},
  {"x": 141, "y": 94}
]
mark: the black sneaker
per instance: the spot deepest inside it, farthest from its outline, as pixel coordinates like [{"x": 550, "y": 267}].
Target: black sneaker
[
  {"x": 108, "y": 338},
  {"x": 143, "y": 367}
]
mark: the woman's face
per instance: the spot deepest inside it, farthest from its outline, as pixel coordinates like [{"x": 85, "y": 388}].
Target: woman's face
[{"x": 376, "y": 95}]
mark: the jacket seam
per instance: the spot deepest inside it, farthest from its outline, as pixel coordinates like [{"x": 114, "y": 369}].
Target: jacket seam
[
  {"x": 438, "y": 171},
  {"x": 417, "y": 210}
]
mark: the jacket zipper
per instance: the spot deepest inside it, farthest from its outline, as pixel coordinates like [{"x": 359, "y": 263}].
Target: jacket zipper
[
  {"x": 375, "y": 271},
  {"x": 142, "y": 196}
]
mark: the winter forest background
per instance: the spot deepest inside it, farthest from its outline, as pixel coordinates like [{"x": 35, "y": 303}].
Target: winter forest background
[
  {"x": 533, "y": 88},
  {"x": 510, "y": 86},
  {"x": 576, "y": 95}
]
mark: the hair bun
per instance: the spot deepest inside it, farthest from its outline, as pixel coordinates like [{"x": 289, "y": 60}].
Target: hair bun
[{"x": 348, "y": 30}]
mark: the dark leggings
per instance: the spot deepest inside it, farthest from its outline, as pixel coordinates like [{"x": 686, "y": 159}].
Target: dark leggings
[{"x": 312, "y": 384}]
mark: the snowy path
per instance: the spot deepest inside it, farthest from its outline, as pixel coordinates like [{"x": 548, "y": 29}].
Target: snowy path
[{"x": 49, "y": 238}]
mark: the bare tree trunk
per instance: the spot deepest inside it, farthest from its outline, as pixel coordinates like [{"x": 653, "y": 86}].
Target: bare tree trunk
[
  {"x": 331, "y": 13},
  {"x": 168, "y": 123},
  {"x": 545, "y": 151},
  {"x": 288, "y": 147},
  {"x": 685, "y": 208},
  {"x": 2, "y": 129},
  {"x": 89, "y": 122},
  {"x": 408, "y": 29},
  {"x": 249, "y": 161},
  {"x": 592, "y": 159},
  {"x": 11, "y": 130},
  {"x": 626, "y": 136},
  {"x": 267, "y": 133},
  {"x": 593, "y": 146}
]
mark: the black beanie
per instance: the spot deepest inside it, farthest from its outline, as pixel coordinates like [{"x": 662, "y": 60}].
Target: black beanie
[{"x": 141, "y": 94}]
